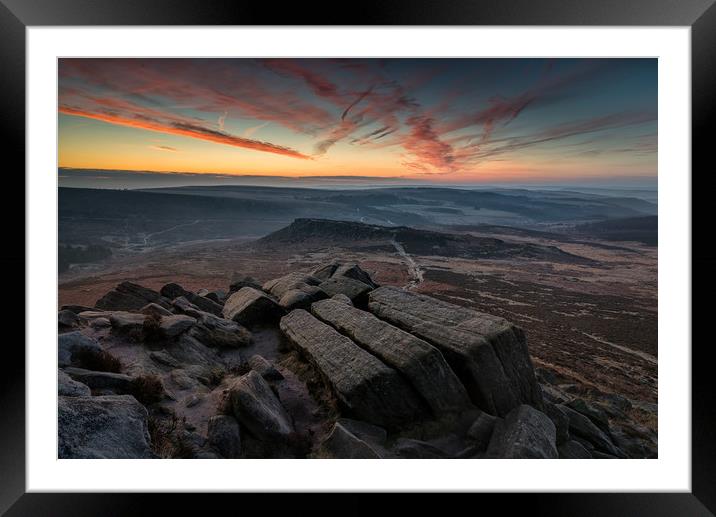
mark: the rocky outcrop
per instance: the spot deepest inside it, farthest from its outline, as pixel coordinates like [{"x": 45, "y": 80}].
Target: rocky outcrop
[
  {"x": 366, "y": 387},
  {"x": 582, "y": 427},
  {"x": 250, "y": 306},
  {"x": 68, "y": 387},
  {"x": 420, "y": 363},
  {"x": 128, "y": 296},
  {"x": 224, "y": 435},
  {"x": 72, "y": 343},
  {"x": 256, "y": 407},
  {"x": 264, "y": 368},
  {"x": 344, "y": 442},
  {"x": 295, "y": 290},
  {"x": 172, "y": 291},
  {"x": 102, "y": 427},
  {"x": 488, "y": 353},
  {"x": 116, "y": 382},
  {"x": 524, "y": 433}
]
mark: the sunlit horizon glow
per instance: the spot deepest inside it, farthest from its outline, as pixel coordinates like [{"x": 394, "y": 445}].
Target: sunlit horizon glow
[{"x": 442, "y": 120}]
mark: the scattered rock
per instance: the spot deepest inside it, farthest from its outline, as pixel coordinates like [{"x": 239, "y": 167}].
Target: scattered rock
[
  {"x": 264, "y": 368},
  {"x": 336, "y": 269},
  {"x": 100, "y": 323},
  {"x": 559, "y": 419},
  {"x": 366, "y": 387},
  {"x": 481, "y": 430},
  {"x": 73, "y": 342},
  {"x": 128, "y": 296},
  {"x": 76, "y": 308},
  {"x": 127, "y": 322},
  {"x": 258, "y": 409},
  {"x": 353, "y": 289},
  {"x": 238, "y": 282},
  {"x": 173, "y": 290},
  {"x": 573, "y": 450},
  {"x": 155, "y": 309},
  {"x": 116, "y": 382},
  {"x": 582, "y": 427},
  {"x": 524, "y": 433},
  {"x": 224, "y": 435},
  {"x": 68, "y": 387},
  {"x": 172, "y": 326},
  {"x": 416, "y": 449},
  {"x": 219, "y": 296},
  {"x": 188, "y": 350},
  {"x": 219, "y": 332},
  {"x": 341, "y": 443},
  {"x": 248, "y": 306},
  {"x": 422, "y": 364},
  {"x": 102, "y": 427},
  {"x": 163, "y": 358},
  {"x": 488, "y": 353},
  {"x": 596, "y": 415},
  {"x": 67, "y": 319}
]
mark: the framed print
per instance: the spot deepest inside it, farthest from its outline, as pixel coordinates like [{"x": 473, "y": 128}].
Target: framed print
[{"x": 440, "y": 249}]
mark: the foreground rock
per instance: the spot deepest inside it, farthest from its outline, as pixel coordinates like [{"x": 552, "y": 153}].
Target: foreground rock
[
  {"x": 249, "y": 306},
  {"x": 73, "y": 343},
  {"x": 264, "y": 368},
  {"x": 295, "y": 290},
  {"x": 102, "y": 427},
  {"x": 582, "y": 427},
  {"x": 68, "y": 387},
  {"x": 223, "y": 434},
  {"x": 258, "y": 409},
  {"x": 488, "y": 353},
  {"x": 345, "y": 442},
  {"x": 365, "y": 386},
  {"x": 172, "y": 291},
  {"x": 117, "y": 382},
  {"x": 128, "y": 296},
  {"x": 524, "y": 433},
  {"x": 422, "y": 364}
]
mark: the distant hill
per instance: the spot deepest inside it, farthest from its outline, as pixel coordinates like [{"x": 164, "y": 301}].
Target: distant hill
[
  {"x": 312, "y": 233},
  {"x": 638, "y": 229}
]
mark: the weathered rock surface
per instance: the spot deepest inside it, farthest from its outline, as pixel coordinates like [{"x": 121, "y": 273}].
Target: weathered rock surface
[
  {"x": 68, "y": 387},
  {"x": 480, "y": 432},
  {"x": 295, "y": 290},
  {"x": 524, "y": 433},
  {"x": 264, "y": 368},
  {"x": 573, "y": 450},
  {"x": 102, "y": 427},
  {"x": 365, "y": 386},
  {"x": 223, "y": 434},
  {"x": 128, "y": 296},
  {"x": 336, "y": 269},
  {"x": 559, "y": 419},
  {"x": 342, "y": 443},
  {"x": 173, "y": 290},
  {"x": 190, "y": 351},
  {"x": 219, "y": 296},
  {"x": 417, "y": 449},
  {"x": 258, "y": 409},
  {"x": 117, "y": 382},
  {"x": 596, "y": 415},
  {"x": 67, "y": 319},
  {"x": 239, "y": 281},
  {"x": 73, "y": 342},
  {"x": 353, "y": 289},
  {"x": 582, "y": 427},
  {"x": 421, "y": 363},
  {"x": 488, "y": 353},
  {"x": 219, "y": 332},
  {"x": 127, "y": 322},
  {"x": 172, "y": 326},
  {"x": 249, "y": 306},
  {"x": 155, "y": 310}
]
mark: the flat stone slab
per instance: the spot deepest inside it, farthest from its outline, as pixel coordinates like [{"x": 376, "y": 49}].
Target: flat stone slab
[
  {"x": 113, "y": 426},
  {"x": 366, "y": 387},
  {"x": 488, "y": 353},
  {"x": 421, "y": 363}
]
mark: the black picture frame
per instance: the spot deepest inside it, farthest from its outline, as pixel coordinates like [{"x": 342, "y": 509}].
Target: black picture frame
[{"x": 700, "y": 15}]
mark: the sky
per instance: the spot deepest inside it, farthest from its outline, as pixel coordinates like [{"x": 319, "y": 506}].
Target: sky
[{"x": 429, "y": 120}]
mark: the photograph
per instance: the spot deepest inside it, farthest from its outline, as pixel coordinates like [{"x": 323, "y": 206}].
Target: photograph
[{"x": 357, "y": 258}]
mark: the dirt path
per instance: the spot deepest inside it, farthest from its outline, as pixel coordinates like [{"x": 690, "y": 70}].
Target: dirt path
[{"x": 414, "y": 271}]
